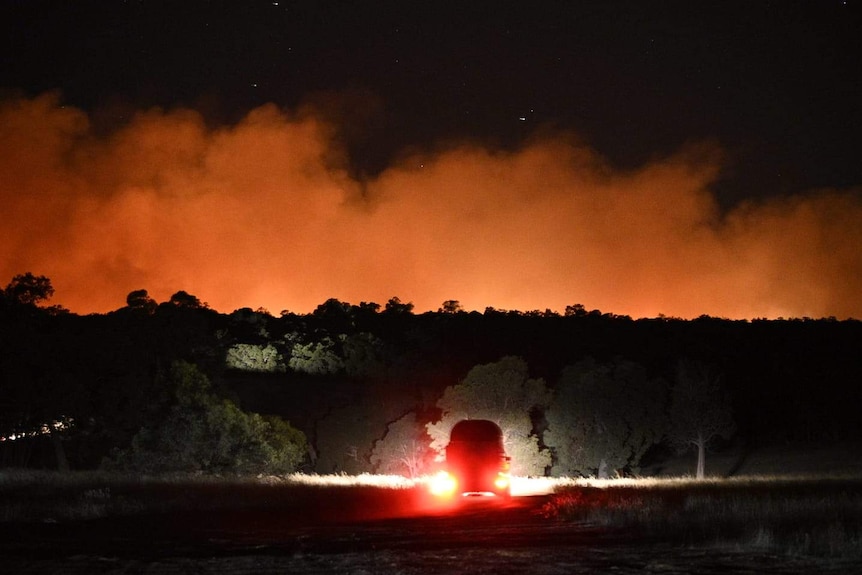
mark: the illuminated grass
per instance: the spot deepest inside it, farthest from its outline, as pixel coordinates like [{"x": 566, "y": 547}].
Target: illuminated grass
[
  {"x": 39, "y": 495},
  {"x": 363, "y": 479},
  {"x": 47, "y": 496},
  {"x": 793, "y": 515}
]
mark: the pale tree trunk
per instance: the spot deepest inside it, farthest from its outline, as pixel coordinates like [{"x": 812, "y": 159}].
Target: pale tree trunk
[
  {"x": 603, "y": 469},
  {"x": 701, "y": 456}
]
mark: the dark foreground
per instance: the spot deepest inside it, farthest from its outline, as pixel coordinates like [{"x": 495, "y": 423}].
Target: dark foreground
[{"x": 478, "y": 536}]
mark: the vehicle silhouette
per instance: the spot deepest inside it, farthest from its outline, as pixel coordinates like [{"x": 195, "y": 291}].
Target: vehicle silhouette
[{"x": 476, "y": 461}]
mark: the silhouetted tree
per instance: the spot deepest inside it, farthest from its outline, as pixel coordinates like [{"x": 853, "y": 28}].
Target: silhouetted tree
[
  {"x": 450, "y": 306},
  {"x": 370, "y": 307},
  {"x": 186, "y": 300},
  {"x": 336, "y": 316},
  {"x": 28, "y": 289},
  {"x": 141, "y": 300},
  {"x": 700, "y": 410},
  {"x": 604, "y": 417},
  {"x": 577, "y": 310},
  {"x": 395, "y": 305},
  {"x": 503, "y": 393}
]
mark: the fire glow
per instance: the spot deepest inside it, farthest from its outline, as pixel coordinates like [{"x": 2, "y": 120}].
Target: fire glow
[{"x": 264, "y": 214}]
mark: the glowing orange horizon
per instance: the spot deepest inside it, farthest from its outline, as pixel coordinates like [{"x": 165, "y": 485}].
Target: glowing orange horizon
[{"x": 260, "y": 215}]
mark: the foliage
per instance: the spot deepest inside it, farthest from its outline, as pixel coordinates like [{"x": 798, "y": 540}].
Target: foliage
[
  {"x": 183, "y": 299},
  {"x": 790, "y": 380},
  {"x": 335, "y": 316},
  {"x": 364, "y": 354},
  {"x": 357, "y": 355},
  {"x": 315, "y": 357},
  {"x": 346, "y": 436},
  {"x": 603, "y": 417},
  {"x": 396, "y": 306},
  {"x": 252, "y": 357},
  {"x": 141, "y": 300},
  {"x": 201, "y": 433},
  {"x": 404, "y": 450},
  {"x": 344, "y": 439},
  {"x": 503, "y": 393},
  {"x": 28, "y": 289}
]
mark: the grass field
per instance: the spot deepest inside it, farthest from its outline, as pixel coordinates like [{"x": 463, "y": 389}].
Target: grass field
[
  {"x": 47, "y": 496},
  {"x": 811, "y": 514},
  {"x": 788, "y": 515}
]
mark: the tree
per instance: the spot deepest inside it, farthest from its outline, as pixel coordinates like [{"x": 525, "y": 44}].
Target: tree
[
  {"x": 141, "y": 300},
  {"x": 369, "y": 308},
  {"x": 503, "y": 393},
  {"x": 28, "y": 289},
  {"x": 252, "y": 357},
  {"x": 450, "y": 306},
  {"x": 404, "y": 450},
  {"x": 336, "y": 316},
  {"x": 603, "y": 417},
  {"x": 396, "y": 306},
  {"x": 202, "y": 433},
  {"x": 576, "y": 310},
  {"x": 346, "y": 436},
  {"x": 183, "y": 299},
  {"x": 315, "y": 357},
  {"x": 363, "y": 354},
  {"x": 700, "y": 410}
]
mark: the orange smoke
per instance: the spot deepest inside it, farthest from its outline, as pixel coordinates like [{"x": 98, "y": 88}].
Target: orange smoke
[{"x": 263, "y": 214}]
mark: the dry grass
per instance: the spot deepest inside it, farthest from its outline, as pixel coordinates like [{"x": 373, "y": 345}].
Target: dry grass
[
  {"x": 39, "y": 496},
  {"x": 794, "y": 515},
  {"x": 46, "y": 496}
]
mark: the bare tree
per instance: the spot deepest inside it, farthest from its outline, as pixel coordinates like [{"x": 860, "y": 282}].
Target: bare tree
[{"x": 404, "y": 450}]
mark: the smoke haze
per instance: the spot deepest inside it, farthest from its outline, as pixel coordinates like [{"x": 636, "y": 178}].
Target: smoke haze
[{"x": 264, "y": 213}]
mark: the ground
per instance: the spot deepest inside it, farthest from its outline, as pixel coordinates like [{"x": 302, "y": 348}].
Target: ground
[
  {"x": 477, "y": 536},
  {"x": 94, "y": 525}
]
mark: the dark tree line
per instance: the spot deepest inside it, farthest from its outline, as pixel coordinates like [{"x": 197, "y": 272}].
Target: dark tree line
[{"x": 363, "y": 385}]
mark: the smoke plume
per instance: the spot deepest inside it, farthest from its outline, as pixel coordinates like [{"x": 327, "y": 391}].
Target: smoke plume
[{"x": 264, "y": 214}]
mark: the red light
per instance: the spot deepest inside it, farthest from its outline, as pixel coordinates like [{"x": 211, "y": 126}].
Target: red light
[
  {"x": 443, "y": 484},
  {"x": 502, "y": 481}
]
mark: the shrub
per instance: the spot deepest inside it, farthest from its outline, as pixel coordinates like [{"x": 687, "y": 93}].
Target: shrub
[{"x": 202, "y": 433}]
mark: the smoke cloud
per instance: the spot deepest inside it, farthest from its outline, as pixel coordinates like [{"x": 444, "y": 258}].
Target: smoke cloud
[{"x": 264, "y": 213}]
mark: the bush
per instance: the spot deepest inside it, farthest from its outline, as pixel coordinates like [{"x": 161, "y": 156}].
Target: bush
[{"x": 202, "y": 433}]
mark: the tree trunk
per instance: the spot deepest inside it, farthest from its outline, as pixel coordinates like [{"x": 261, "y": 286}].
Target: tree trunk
[
  {"x": 603, "y": 469},
  {"x": 701, "y": 456}
]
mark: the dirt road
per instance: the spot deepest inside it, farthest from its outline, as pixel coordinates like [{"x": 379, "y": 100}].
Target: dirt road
[{"x": 477, "y": 536}]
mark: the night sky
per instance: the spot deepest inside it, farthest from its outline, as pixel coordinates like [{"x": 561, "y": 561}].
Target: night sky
[{"x": 700, "y": 158}]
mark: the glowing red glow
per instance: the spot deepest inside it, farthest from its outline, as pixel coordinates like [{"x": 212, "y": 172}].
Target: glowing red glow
[
  {"x": 262, "y": 214},
  {"x": 443, "y": 484},
  {"x": 502, "y": 481}
]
